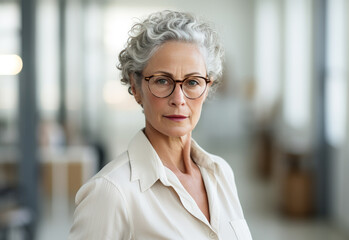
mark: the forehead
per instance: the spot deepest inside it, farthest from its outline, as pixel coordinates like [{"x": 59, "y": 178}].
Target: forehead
[{"x": 176, "y": 58}]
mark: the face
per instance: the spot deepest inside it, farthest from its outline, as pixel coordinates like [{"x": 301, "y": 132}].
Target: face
[{"x": 175, "y": 115}]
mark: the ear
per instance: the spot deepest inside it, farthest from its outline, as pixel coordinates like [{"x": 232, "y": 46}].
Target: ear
[{"x": 136, "y": 91}]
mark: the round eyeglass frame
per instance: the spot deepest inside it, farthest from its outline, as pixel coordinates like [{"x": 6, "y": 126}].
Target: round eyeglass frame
[{"x": 177, "y": 81}]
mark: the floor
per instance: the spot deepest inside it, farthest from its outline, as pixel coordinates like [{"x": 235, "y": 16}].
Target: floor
[{"x": 257, "y": 197}]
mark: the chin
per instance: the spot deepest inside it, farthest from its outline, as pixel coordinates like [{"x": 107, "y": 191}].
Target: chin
[{"x": 176, "y": 132}]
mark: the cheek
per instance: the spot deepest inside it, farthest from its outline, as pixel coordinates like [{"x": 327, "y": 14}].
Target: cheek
[
  {"x": 152, "y": 105},
  {"x": 196, "y": 109}
]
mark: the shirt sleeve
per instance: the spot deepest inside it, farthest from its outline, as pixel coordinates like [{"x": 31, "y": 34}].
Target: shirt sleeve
[{"x": 101, "y": 212}]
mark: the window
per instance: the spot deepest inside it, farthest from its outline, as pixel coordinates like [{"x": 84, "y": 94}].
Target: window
[{"x": 337, "y": 70}]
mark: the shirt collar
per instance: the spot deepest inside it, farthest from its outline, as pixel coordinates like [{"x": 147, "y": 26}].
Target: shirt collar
[
  {"x": 147, "y": 167},
  {"x": 201, "y": 157}
]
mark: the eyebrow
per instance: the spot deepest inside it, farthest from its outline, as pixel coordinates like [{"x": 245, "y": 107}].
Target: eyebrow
[{"x": 186, "y": 75}]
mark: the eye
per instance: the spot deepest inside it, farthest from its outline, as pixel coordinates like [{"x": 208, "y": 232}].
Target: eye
[
  {"x": 193, "y": 82},
  {"x": 161, "y": 80}
]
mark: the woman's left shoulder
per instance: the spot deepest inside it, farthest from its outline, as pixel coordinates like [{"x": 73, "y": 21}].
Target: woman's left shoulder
[
  {"x": 221, "y": 164},
  {"x": 218, "y": 160}
]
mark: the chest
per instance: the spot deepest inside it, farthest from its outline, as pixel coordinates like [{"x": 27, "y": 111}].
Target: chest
[
  {"x": 197, "y": 190},
  {"x": 167, "y": 211}
]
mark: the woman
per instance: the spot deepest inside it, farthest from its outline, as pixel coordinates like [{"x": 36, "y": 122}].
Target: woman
[{"x": 165, "y": 186}]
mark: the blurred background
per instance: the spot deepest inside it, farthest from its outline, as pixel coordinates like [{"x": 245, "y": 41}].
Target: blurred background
[{"x": 280, "y": 117}]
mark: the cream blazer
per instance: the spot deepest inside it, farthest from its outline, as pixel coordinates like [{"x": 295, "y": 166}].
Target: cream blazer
[{"x": 136, "y": 197}]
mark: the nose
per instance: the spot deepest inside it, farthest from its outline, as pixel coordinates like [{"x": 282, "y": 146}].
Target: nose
[{"x": 177, "y": 98}]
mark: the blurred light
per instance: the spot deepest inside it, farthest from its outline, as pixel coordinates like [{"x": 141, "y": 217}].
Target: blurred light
[
  {"x": 10, "y": 18},
  {"x": 297, "y": 63},
  {"x": 337, "y": 67},
  {"x": 267, "y": 54},
  {"x": 118, "y": 22},
  {"x": 10, "y": 64},
  {"x": 48, "y": 61},
  {"x": 336, "y": 111}
]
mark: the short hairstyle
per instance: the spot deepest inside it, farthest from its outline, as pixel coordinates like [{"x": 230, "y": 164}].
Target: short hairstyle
[{"x": 147, "y": 36}]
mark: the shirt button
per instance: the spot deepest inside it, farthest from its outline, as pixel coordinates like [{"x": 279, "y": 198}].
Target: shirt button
[{"x": 212, "y": 235}]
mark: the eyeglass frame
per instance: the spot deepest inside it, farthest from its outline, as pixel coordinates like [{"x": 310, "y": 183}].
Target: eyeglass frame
[{"x": 177, "y": 81}]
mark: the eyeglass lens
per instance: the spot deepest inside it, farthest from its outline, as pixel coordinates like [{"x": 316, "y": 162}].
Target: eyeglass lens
[{"x": 163, "y": 86}]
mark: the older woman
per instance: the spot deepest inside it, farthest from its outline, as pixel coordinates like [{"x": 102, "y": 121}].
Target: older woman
[{"x": 165, "y": 186}]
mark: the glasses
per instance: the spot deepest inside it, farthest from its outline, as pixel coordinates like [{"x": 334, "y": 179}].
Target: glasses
[{"x": 162, "y": 86}]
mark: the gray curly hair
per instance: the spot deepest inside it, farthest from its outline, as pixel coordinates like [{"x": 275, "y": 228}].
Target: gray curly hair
[{"x": 147, "y": 36}]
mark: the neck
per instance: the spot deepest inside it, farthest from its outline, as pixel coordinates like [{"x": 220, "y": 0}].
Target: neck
[{"x": 174, "y": 152}]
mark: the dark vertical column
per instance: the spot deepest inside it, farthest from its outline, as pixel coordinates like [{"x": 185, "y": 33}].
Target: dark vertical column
[
  {"x": 28, "y": 115},
  {"x": 62, "y": 112},
  {"x": 321, "y": 147}
]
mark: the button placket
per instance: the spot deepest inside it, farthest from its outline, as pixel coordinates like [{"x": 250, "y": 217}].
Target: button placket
[
  {"x": 211, "y": 186},
  {"x": 187, "y": 201},
  {"x": 212, "y": 235}
]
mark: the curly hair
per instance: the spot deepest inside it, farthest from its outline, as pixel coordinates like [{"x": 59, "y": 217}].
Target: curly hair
[{"x": 147, "y": 36}]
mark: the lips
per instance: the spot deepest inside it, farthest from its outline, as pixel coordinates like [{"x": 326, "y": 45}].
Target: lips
[{"x": 176, "y": 118}]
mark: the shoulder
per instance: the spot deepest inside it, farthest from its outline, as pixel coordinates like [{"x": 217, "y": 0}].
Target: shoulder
[
  {"x": 219, "y": 161},
  {"x": 211, "y": 161},
  {"x": 109, "y": 179},
  {"x": 102, "y": 210},
  {"x": 222, "y": 166},
  {"x": 118, "y": 170}
]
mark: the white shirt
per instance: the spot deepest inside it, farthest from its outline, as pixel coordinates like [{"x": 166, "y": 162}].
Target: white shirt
[{"x": 136, "y": 197}]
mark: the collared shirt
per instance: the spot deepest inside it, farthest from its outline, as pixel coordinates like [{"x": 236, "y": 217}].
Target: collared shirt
[{"x": 136, "y": 197}]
